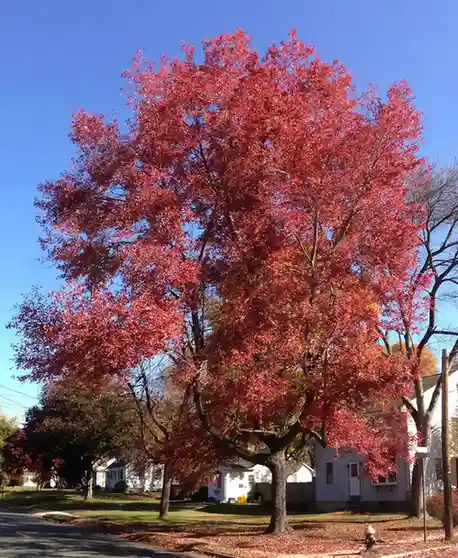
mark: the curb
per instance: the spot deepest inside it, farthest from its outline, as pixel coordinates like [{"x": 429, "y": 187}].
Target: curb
[{"x": 54, "y": 514}]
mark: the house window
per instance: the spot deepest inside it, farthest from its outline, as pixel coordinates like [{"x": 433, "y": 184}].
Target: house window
[
  {"x": 218, "y": 481},
  {"x": 438, "y": 469},
  {"x": 389, "y": 480},
  {"x": 329, "y": 473},
  {"x": 354, "y": 470},
  {"x": 121, "y": 474},
  {"x": 251, "y": 481}
]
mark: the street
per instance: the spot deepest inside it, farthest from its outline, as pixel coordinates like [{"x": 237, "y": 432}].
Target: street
[{"x": 24, "y": 536}]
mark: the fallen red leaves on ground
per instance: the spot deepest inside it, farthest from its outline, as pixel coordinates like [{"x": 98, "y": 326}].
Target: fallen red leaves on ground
[{"x": 248, "y": 541}]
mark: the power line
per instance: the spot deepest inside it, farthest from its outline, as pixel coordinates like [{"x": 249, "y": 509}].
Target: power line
[
  {"x": 14, "y": 402},
  {"x": 19, "y": 392}
]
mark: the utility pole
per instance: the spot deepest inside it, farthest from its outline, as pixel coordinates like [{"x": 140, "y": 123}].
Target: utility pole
[{"x": 448, "y": 517}]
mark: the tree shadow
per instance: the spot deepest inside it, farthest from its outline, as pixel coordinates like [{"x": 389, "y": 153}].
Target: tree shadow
[
  {"x": 234, "y": 509},
  {"x": 66, "y": 501},
  {"x": 248, "y": 509}
]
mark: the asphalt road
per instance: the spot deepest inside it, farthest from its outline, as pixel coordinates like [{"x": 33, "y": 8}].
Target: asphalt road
[{"x": 27, "y": 537}]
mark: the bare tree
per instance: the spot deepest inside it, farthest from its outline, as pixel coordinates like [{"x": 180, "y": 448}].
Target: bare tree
[
  {"x": 156, "y": 420},
  {"x": 437, "y": 190},
  {"x": 170, "y": 431}
]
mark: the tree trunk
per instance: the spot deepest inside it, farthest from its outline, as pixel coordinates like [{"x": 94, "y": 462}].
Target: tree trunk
[
  {"x": 416, "y": 490},
  {"x": 88, "y": 493},
  {"x": 417, "y": 495},
  {"x": 278, "y": 519},
  {"x": 165, "y": 494}
]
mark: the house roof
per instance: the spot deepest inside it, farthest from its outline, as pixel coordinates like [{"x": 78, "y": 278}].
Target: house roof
[
  {"x": 103, "y": 464},
  {"x": 244, "y": 465},
  {"x": 117, "y": 464},
  {"x": 430, "y": 381}
]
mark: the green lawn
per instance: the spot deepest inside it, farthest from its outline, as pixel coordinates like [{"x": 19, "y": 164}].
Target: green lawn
[
  {"x": 212, "y": 514},
  {"x": 122, "y": 508},
  {"x": 126, "y": 508},
  {"x": 65, "y": 500},
  {"x": 230, "y": 529}
]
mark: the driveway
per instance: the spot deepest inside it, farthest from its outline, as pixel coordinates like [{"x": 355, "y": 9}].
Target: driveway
[{"x": 27, "y": 537}]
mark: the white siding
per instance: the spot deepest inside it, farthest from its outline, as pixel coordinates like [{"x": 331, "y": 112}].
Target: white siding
[
  {"x": 434, "y": 484},
  {"x": 100, "y": 478},
  {"x": 338, "y": 491},
  {"x": 28, "y": 479},
  {"x": 150, "y": 480},
  {"x": 236, "y": 482}
]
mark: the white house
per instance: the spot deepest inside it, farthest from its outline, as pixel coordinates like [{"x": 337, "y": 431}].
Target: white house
[
  {"x": 340, "y": 480},
  {"x": 29, "y": 479},
  {"x": 99, "y": 478},
  {"x": 148, "y": 479},
  {"x": 236, "y": 483}
]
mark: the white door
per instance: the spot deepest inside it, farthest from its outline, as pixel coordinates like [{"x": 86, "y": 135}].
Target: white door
[{"x": 355, "y": 483}]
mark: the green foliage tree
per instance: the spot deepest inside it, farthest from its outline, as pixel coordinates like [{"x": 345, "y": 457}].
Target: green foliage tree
[
  {"x": 7, "y": 427},
  {"x": 79, "y": 426}
]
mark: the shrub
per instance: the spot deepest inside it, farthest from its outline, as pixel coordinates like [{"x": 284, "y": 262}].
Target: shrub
[
  {"x": 120, "y": 486},
  {"x": 435, "y": 506},
  {"x": 201, "y": 495},
  {"x": 16, "y": 481}
]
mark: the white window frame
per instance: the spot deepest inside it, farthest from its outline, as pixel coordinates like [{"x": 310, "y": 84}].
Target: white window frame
[
  {"x": 384, "y": 480},
  {"x": 438, "y": 469}
]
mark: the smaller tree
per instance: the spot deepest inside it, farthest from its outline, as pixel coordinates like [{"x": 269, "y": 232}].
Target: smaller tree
[
  {"x": 14, "y": 458},
  {"x": 170, "y": 432},
  {"x": 8, "y": 432},
  {"x": 8, "y": 427},
  {"x": 428, "y": 361},
  {"x": 79, "y": 426}
]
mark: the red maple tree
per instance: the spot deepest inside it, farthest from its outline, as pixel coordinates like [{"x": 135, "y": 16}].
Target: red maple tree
[{"x": 266, "y": 188}]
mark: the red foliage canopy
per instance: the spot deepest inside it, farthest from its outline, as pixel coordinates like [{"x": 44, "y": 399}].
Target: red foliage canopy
[{"x": 265, "y": 185}]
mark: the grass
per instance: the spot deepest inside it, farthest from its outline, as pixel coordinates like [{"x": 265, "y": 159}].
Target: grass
[
  {"x": 144, "y": 508},
  {"x": 66, "y": 500},
  {"x": 203, "y": 514},
  {"x": 229, "y": 529}
]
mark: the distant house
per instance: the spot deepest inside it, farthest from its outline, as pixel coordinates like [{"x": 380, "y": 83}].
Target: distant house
[
  {"x": 99, "y": 478},
  {"x": 243, "y": 480},
  {"x": 148, "y": 479},
  {"x": 29, "y": 479},
  {"x": 341, "y": 481}
]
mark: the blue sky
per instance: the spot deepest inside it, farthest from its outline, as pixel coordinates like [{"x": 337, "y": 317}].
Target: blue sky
[{"x": 58, "y": 56}]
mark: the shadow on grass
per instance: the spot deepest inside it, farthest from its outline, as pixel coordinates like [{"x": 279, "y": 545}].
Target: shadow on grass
[
  {"x": 56, "y": 500},
  {"x": 234, "y": 509},
  {"x": 249, "y": 509}
]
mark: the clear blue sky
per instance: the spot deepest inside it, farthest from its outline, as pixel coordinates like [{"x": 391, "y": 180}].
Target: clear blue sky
[{"x": 57, "y": 56}]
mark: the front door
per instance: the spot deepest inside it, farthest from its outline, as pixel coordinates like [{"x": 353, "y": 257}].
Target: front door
[{"x": 355, "y": 483}]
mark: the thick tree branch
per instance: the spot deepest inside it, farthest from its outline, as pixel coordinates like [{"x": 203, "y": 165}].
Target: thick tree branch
[
  {"x": 232, "y": 446},
  {"x": 435, "y": 396},
  {"x": 386, "y": 343},
  {"x": 412, "y": 410}
]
